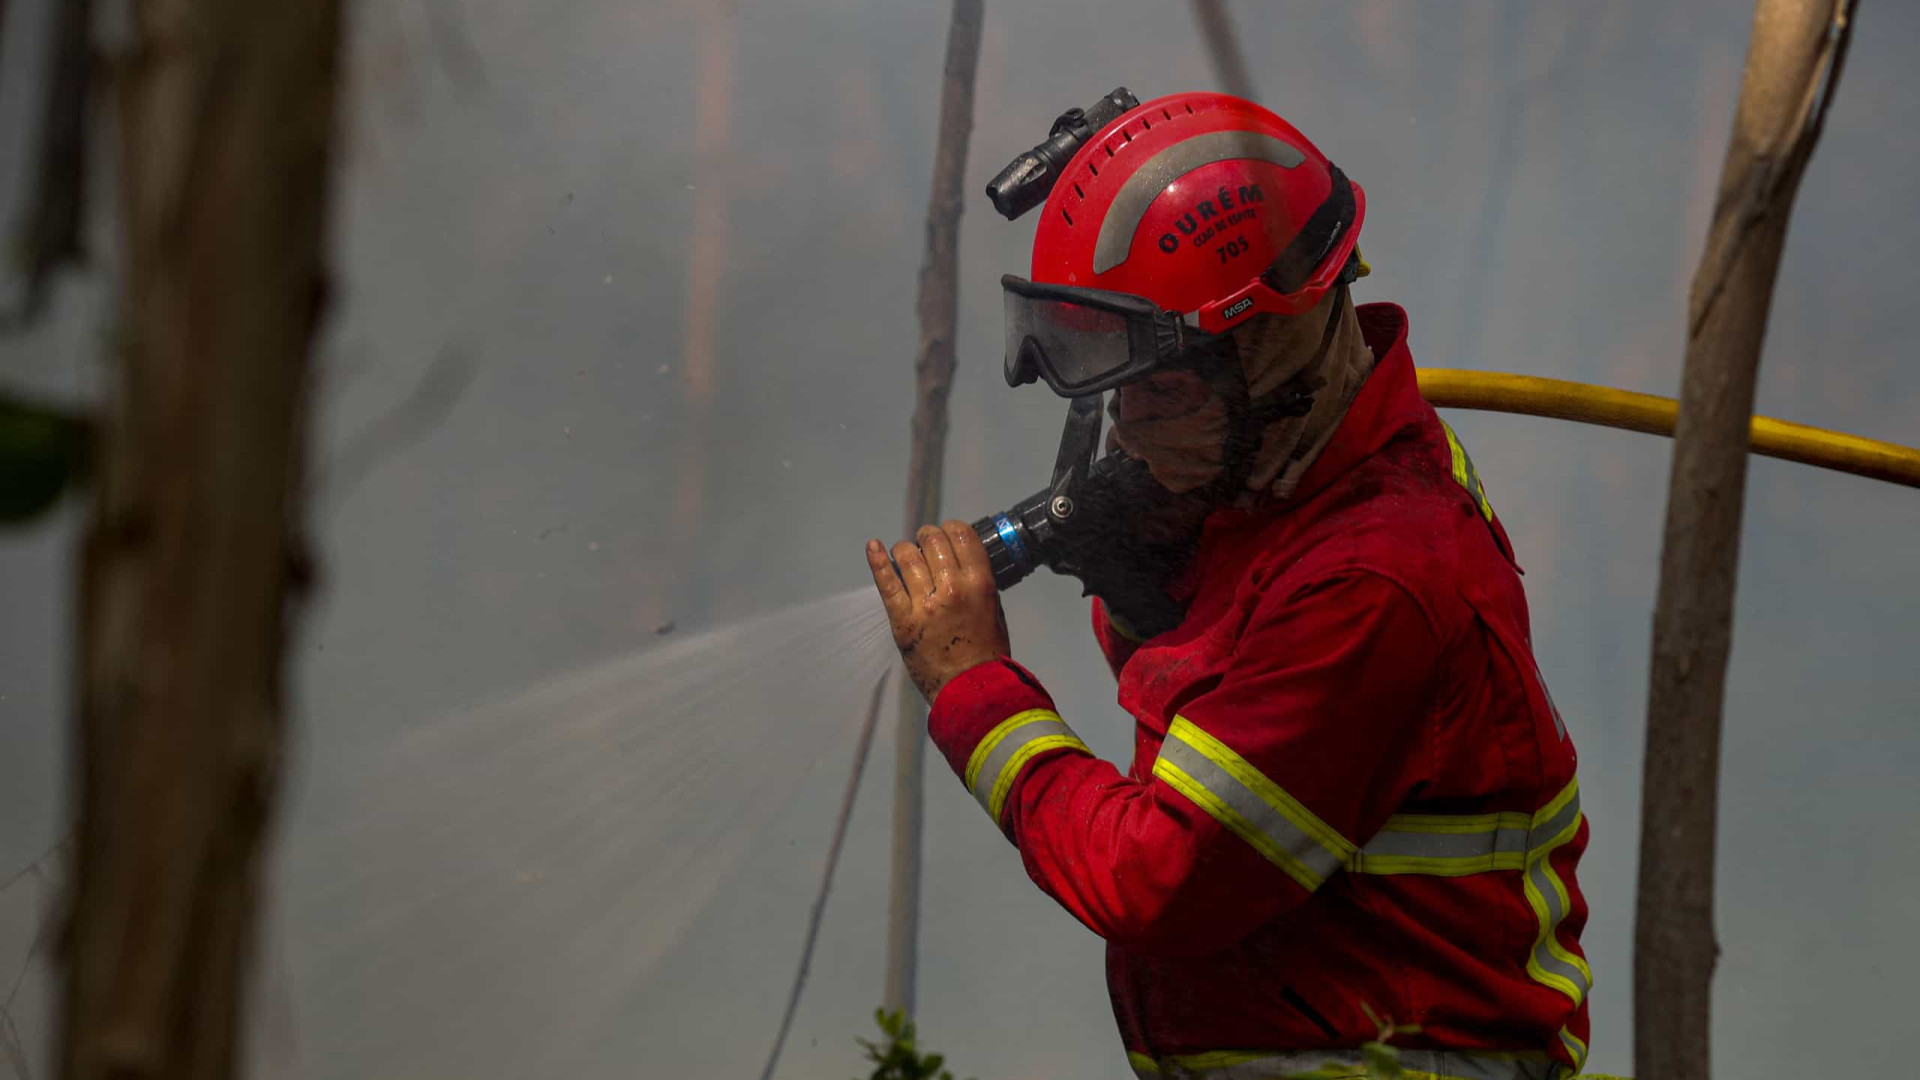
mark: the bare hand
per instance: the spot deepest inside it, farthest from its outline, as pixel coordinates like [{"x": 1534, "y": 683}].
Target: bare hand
[{"x": 943, "y": 605}]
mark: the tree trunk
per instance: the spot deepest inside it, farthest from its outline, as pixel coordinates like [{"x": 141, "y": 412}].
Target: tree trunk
[
  {"x": 1793, "y": 63},
  {"x": 193, "y": 562},
  {"x": 706, "y": 273},
  {"x": 933, "y": 370}
]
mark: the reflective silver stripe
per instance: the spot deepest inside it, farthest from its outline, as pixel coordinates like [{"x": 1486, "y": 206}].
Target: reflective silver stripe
[
  {"x": 1553, "y": 826},
  {"x": 1013, "y": 744},
  {"x": 1559, "y": 722},
  {"x": 1415, "y": 1064},
  {"x": 1543, "y": 953},
  {"x": 1551, "y": 963},
  {"x": 1447, "y": 846},
  {"x": 1574, "y": 1047},
  {"x": 1163, "y": 168},
  {"x": 1239, "y": 808},
  {"x": 1416, "y": 851}
]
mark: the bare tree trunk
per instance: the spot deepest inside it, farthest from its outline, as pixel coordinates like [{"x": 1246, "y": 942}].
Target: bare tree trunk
[
  {"x": 1793, "y": 64},
  {"x": 193, "y": 561},
  {"x": 1223, "y": 47},
  {"x": 933, "y": 370}
]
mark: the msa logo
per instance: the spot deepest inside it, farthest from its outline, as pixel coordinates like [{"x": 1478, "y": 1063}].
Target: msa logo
[{"x": 1245, "y": 303}]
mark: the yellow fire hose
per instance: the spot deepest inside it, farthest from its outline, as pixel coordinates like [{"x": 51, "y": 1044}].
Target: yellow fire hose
[{"x": 1528, "y": 395}]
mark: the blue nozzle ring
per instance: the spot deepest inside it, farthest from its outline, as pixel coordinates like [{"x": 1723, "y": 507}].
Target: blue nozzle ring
[{"x": 1010, "y": 536}]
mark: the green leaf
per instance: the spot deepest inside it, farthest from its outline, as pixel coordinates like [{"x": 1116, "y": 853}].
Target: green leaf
[
  {"x": 1383, "y": 1061},
  {"x": 42, "y": 452},
  {"x": 898, "y": 1059}
]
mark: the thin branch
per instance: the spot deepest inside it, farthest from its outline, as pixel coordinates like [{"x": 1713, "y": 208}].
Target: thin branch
[
  {"x": 38, "y": 864},
  {"x": 454, "y": 46},
  {"x": 1223, "y": 47},
  {"x": 16, "y": 1051},
  {"x": 10, "y": 1042},
  {"x": 40, "y": 935},
  {"x": 826, "y": 875},
  {"x": 424, "y": 408},
  {"x": 937, "y": 307}
]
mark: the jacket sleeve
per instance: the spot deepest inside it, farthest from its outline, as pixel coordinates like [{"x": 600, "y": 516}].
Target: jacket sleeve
[
  {"x": 1265, "y": 787},
  {"x": 1116, "y": 644}
]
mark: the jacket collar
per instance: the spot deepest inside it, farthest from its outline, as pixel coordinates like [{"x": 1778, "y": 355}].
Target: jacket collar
[{"x": 1386, "y": 407}]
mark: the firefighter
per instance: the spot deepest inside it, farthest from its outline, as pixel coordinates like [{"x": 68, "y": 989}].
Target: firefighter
[{"x": 1351, "y": 801}]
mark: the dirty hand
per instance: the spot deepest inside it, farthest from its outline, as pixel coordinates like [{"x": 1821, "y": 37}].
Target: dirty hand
[{"x": 942, "y": 603}]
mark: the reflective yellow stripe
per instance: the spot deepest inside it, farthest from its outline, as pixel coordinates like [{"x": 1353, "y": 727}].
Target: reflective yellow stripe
[
  {"x": 1439, "y": 866},
  {"x": 1224, "y": 813},
  {"x": 998, "y": 800},
  {"x": 1270, "y": 793},
  {"x": 1462, "y": 823},
  {"x": 1252, "y": 807},
  {"x": 996, "y": 762},
  {"x": 1556, "y": 804},
  {"x": 1126, "y": 632},
  {"x": 1551, "y": 963},
  {"x": 1465, "y": 474},
  {"x": 1212, "y": 1059},
  {"x": 1456, "y": 845},
  {"x": 1561, "y": 837},
  {"x": 1447, "y": 846},
  {"x": 994, "y": 737},
  {"x": 1143, "y": 1066},
  {"x": 1575, "y": 1047}
]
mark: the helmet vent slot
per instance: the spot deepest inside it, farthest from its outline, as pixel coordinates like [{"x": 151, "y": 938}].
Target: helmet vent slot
[
  {"x": 1064, "y": 214},
  {"x": 1077, "y": 191}
]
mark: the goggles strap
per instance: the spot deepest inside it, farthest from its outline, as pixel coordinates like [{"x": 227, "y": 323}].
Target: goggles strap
[{"x": 1323, "y": 229}]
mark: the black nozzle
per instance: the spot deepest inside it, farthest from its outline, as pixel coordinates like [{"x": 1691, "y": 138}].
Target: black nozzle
[
  {"x": 1027, "y": 179},
  {"x": 1015, "y": 539}
]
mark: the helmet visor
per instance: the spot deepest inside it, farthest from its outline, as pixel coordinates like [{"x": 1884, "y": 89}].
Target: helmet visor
[{"x": 1083, "y": 341}]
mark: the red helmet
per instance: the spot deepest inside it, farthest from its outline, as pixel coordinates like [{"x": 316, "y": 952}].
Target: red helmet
[{"x": 1205, "y": 204}]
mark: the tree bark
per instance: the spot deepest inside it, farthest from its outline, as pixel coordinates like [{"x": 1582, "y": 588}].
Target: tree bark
[
  {"x": 1793, "y": 64},
  {"x": 1223, "y": 47},
  {"x": 193, "y": 565},
  {"x": 937, "y": 308}
]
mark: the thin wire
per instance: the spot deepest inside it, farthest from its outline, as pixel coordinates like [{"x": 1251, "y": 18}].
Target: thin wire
[{"x": 826, "y": 876}]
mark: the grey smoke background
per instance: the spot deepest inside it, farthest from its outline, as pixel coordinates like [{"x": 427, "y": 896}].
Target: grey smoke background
[{"x": 521, "y": 195}]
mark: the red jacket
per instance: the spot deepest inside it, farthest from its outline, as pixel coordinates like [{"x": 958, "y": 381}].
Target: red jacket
[{"x": 1349, "y": 791}]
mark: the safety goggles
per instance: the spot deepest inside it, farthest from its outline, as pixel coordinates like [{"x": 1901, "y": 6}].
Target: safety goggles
[{"x": 1086, "y": 341}]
